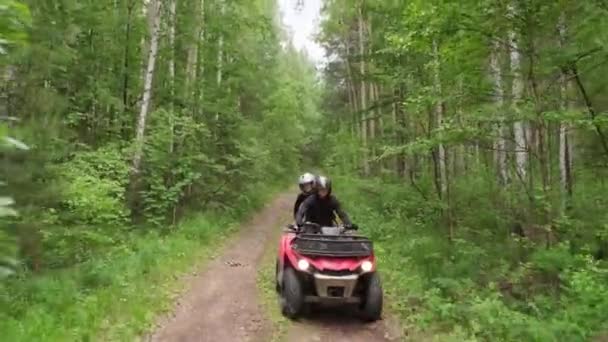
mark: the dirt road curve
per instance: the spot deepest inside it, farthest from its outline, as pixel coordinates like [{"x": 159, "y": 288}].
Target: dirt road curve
[{"x": 221, "y": 304}]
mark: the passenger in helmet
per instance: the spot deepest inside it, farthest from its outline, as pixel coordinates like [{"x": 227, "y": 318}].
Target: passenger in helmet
[
  {"x": 321, "y": 208},
  {"x": 307, "y": 187}
]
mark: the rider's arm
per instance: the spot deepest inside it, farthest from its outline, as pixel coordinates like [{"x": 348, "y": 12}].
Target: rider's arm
[
  {"x": 296, "y": 205},
  {"x": 301, "y": 214},
  {"x": 341, "y": 213}
]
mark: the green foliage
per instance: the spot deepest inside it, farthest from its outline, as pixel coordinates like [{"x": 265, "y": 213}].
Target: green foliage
[
  {"x": 93, "y": 187},
  {"x": 14, "y": 22},
  {"x": 479, "y": 130},
  {"x": 97, "y": 240},
  {"x": 114, "y": 297},
  {"x": 473, "y": 288},
  {"x": 225, "y": 120}
]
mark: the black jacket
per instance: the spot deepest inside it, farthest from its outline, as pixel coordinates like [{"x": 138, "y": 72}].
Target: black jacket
[
  {"x": 321, "y": 211},
  {"x": 301, "y": 197}
]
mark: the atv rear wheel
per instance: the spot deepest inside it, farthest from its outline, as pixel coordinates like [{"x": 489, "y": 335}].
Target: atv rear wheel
[
  {"x": 372, "y": 305},
  {"x": 292, "y": 298}
]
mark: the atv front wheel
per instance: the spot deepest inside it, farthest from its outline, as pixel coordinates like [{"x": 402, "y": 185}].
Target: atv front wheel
[
  {"x": 292, "y": 298},
  {"x": 372, "y": 305},
  {"x": 277, "y": 287}
]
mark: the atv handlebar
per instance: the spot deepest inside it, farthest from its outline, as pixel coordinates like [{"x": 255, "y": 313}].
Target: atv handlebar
[{"x": 317, "y": 227}]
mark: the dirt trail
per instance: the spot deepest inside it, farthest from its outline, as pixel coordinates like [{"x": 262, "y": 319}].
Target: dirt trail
[
  {"x": 341, "y": 325},
  {"x": 221, "y": 304}
]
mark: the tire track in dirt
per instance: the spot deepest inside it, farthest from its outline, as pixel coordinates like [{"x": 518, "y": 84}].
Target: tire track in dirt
[
  {"x": 341, "y": 325},
  {"x": 221, "y": 304}
]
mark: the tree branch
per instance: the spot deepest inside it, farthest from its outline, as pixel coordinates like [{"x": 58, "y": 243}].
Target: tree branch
[{"x": 589, "y": 106}]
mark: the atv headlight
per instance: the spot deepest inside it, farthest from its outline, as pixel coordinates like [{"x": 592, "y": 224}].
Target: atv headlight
[
  {"x": 303, "y": 264},
  {"x": 367, "y": 266}
]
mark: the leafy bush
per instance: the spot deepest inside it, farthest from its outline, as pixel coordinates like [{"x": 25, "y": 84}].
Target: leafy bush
[
  {"x": 473, "y": 288},
  {"x": 93, "y": 187}
]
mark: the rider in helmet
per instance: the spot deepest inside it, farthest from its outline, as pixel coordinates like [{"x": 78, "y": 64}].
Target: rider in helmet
[
  {"x": 307, "y": 187},
  {"x": 321, "y": 207}
]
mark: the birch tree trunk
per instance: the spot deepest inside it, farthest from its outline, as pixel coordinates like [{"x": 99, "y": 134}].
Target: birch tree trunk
[
  {"x": 200, "y": 62},
  {"x": 441, "y": 152},
  {"x": 565, "y": 145},
  {"x": 363, "y": 92},
  {"x": 500, "y": 150},
  {"x": 460, "y": 155},
  {"x": 521, "y": 146},
  {"x": 395, "y": 130},
  {"x": 439, "y": 120},
  {"x": 373, "y": 96},
  {"x": 352, "y": 93},
  {"x": 351, "y": 102},
  {"x": 154, "y": 6},
  {"x": 172, "y": 9},
  {"x": 404, "y": 165},
  {"x": 220, "y": 55},
  {"x": 220, "y": 48},
  {"x": 192, "y": 53}
]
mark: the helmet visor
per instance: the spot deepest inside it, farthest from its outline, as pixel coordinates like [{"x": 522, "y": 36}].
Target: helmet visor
[{"x": 306, "y": 187}]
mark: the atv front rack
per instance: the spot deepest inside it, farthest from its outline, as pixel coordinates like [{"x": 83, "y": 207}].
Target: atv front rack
[{"x": 332, "y": 245}]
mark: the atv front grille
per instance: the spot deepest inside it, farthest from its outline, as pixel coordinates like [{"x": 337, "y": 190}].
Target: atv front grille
[
  {"x": 335, "y": 291},
  {"x": 333, "y": 246},
  {"x": 337, "y": 273}
]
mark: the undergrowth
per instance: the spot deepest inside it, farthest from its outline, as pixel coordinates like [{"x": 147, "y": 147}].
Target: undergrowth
[
  {"x": 117, "y": 296},
  {"x": 483, "y": 286}
]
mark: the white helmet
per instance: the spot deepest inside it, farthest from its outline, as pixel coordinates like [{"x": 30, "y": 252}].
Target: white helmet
[{"x": 306, "y": 178}]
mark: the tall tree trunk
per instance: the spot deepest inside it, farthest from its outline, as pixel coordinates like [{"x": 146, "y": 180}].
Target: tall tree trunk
[
  {"x": 373, "y": 98},
  {"x": 363, "y": 92},
  {"x": 565, "y": 145},
  {"x": 441, "y": 154},
  {"x": 405, "y": 163},
  {"x": 459, "y": 156},
  {"x": 352, "y": 92},
  {"x": 192, "y": 51},
  {"x": 200, "y": 62},
  {"x": 372, "y": 126},
  {"x": 220, "y": 48},
  {"x": 441, "y": 151},
  {"x": 220, "y": 55},
  {"x": 521, "y": 146},
  {"x": 395, "y": 131},
  {"x": 126, "y": 68},
  {"x": 154, "y": 7},
  {"x": 500, "y": 150},
  {"x": 172, "y": 19}
]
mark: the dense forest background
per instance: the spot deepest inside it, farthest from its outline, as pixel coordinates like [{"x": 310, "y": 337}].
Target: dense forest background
[
  {"x": 468, "y": 138},
  {"x": 138, "y": 112},
  {"x": 477, "y": 134},
  {"x": 120, "y": 119}
]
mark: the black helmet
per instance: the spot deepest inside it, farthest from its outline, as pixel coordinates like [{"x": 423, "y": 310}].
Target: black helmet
[{"x": 324, "y": 183}]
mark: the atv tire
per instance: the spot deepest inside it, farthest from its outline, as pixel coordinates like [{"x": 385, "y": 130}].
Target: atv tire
[
  {"x": 292, "y": 298},
  {"x": 277, "y": 286},
  {"x": 372, "y": 305}
]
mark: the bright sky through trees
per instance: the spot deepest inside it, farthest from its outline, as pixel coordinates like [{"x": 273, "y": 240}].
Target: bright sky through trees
[{"x": 302, "y": 23}]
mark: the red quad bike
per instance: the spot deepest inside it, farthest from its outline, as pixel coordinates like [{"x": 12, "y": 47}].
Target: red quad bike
[{"x": 327, "y": 265}]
